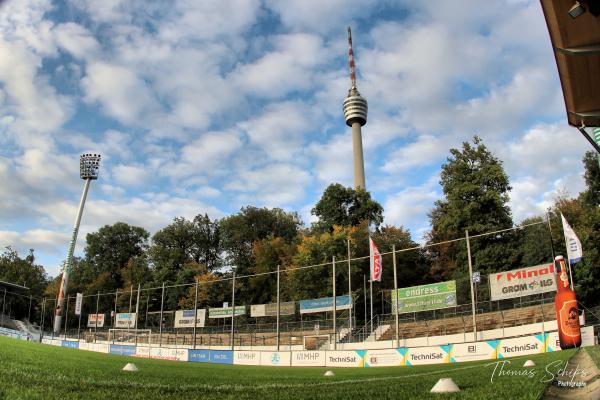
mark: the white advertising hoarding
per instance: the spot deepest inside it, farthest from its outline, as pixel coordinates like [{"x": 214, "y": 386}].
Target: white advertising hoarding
[
  {"x": 185, "y": 318},
  {"x": 427, "y": 355},
  {"x": 344, "y": 358},
  {"x": 522, "y": 282},
  {"x": 246, "y": 357},
  {"x": 275, "y": 358},
  {"x": 520, "y": 346},
  {"x": 308, "y": 358},
  {"x": 125, "y": 320},
  {"x": 162, "y": 353},
  {"x": 92, "y": 318},
  {"x": 473, "y": 351},
  {"x": 384, "y": 358}
]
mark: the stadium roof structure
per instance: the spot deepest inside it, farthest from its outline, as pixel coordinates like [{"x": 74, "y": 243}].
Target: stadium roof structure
[
  {"x": 14, "y": 286},
  {"x": 574, "y": 28}
]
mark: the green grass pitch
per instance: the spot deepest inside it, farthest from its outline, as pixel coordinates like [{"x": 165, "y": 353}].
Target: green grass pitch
[{"x": 36, "y": 371}]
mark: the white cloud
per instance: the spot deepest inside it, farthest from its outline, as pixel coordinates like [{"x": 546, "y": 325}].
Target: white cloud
[
  {"x": 274, "y": 185},
  {"x": 131, "y": 175},
  {"x": 122, "y": 94},
  {"x": 76, "y": 40}
]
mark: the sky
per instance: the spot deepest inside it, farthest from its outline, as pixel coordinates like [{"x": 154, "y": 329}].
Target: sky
[{"x": 208, "y": 106}]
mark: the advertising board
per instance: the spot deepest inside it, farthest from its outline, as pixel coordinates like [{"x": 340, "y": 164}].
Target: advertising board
[
  {"x": 473, "y": 351},
  {"x": 225, "y": 312},
  {"x": 427, "y": 355},
  {"x": 344, "y": 358},
  {"x": 270, "y": 310},
  {"x": 202, "y": 356},
  {"x": 122, "y": 349},
  {"x": 246, "y": 357},
  {"x": 522, "y": 282},
  {"x": 163, "y": 353},
  {"x": 185, "y": 318},
  {"x": 92, "y": 318},
  {"x": 384, "y": 358},
  {"x": 275, "y": 358},
  {"x": 125, "y": 320},
  {"x": 308, "y": 358},
  {"x": 70, "y": 344},
  {"x": 221, "y": 356},
  {"x": 325, "y": 304},
  {"x": 520, "y": 346},
  {"x": 425, "y": 297}
]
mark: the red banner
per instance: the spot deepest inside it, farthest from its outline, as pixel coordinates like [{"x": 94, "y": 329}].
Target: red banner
[{"x": 376, "y": 264}]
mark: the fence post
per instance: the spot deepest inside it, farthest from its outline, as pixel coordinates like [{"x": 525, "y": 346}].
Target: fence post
[
  {"x": 350, "y": 289},
  {"x": 42, "y": 319},
  {"x": 160, "y": 324},
  {"x": 79, "y": 323},
  {"x": 114, "y": 322},
  {"x": 137, "y": 312},
  {"x": 3, "y": 306},
  {"x": 278, "y": 309},
  {"x": 129, "y": 309},
  {"x": 232, "y": 312},
  {"x": 96, "y": 324},
  {"x": 334, "y": 309},
  {"x": 396, "y": 296},
  {"x": 29, "y": 313},
  {"x": 66, "y": 315},
  {"x": 195, "y": 310},
  {"x": 471, "y": 283}
]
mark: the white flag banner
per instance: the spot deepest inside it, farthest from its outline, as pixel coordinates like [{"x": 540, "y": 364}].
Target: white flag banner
[
  {"x": 78, "y": 301},
  {"x": 574, "y": 250},
  {"x": 376, "y": 265}
]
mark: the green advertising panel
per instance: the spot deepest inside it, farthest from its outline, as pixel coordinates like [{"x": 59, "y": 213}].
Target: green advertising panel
[
  {"x": 425, "y": 297},
  {"x": 226, "y": 312}
]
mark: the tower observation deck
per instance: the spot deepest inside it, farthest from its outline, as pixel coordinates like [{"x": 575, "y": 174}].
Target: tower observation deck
[{"x": 355, "y": 113}]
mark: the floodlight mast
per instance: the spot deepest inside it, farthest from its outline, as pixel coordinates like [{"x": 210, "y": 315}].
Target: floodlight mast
[{"x": 89, "y": 165}]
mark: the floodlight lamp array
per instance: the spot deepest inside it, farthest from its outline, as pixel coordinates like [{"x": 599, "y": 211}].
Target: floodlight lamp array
[{"x": 89, "y": 165}]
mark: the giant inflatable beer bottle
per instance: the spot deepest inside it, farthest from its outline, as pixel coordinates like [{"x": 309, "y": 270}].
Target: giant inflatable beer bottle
[{"x": 567, "y": 314}]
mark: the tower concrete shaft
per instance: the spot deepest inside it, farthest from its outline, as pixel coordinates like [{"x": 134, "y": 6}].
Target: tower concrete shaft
[{"x": 355, "y": 113}]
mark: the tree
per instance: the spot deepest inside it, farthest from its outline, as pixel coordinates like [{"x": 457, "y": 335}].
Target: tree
[
  {"x": 592, "y": 179},
  {"x": 110, "y": 249},
  {"x": 183, "y": 242},
  {"x": 345, "y": 207},
  {"x": 24, "y": 272},
  {"x": 475, "y": 188}
]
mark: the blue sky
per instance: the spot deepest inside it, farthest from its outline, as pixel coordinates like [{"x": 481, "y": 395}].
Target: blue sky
[{"x": 208, "y": 106}]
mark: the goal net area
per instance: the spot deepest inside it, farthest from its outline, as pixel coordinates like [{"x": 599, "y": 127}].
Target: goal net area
[
  {"x": 125, "y": 335},
  {"x": 316, "y": 342}
]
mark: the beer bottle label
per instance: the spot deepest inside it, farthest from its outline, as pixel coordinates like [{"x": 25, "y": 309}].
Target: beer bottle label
[{"x": 569, "y": 319}]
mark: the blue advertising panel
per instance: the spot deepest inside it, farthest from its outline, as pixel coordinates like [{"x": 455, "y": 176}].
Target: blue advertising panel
[
  {"x": 72, "y": 345},
  {"x": 221, "y": 356},
  {"x": 121, "y": 349},
  {"x": 325, "y": 304},
  {"x": 199, "y": 355}
]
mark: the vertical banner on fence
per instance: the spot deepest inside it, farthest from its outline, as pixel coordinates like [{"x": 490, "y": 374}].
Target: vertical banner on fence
[{"x": 78, "y": 301}]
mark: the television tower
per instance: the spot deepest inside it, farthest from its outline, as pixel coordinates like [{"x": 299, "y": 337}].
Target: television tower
[{"x": 355, "y": 113}]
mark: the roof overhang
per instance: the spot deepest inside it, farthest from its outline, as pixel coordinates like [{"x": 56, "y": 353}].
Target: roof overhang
[{"x": 576, "y": 43}]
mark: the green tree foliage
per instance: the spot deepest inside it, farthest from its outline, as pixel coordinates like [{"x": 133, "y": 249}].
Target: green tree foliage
[
  {"x": 476, "y": 189},
  {"x": 24, "y": 272},
  {"x": 534, "y": 242},
  {"x": 109, "y": 250},
  {"x": 591, "y": 195},
  {"x": 344, "y": 206},
  {"x": 184, "y": 242},
  {"x": 251, "y": 224}
]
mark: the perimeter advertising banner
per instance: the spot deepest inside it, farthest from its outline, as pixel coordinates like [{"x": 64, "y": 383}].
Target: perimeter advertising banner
[
  {"x": 425, "y": 297},
  {"x": 125, "y": 320},
  {"x": 246, "y": 357},
  {"x": 473, "y": 351},
  {"x": 384, "y": 358},
  {"x": 92, "y": 318},
  {"x": 522, "y": 282},
  {"x": 427, "y": 355},
  {"x": 308, "y": 358},
  {"x": 275, "y": 358},
  {"x": 325, "y": 304},
  {"x": 185, "y": 318},
  {"x": 270, "y": 310},
  {"x": 226, "y": 312},
  {"x": 345, "y": 358},
  {"x": 521, "y": 346}
]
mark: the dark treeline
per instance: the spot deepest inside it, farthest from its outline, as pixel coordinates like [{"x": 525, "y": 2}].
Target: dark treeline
[{"x": 256, "y": 240}]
